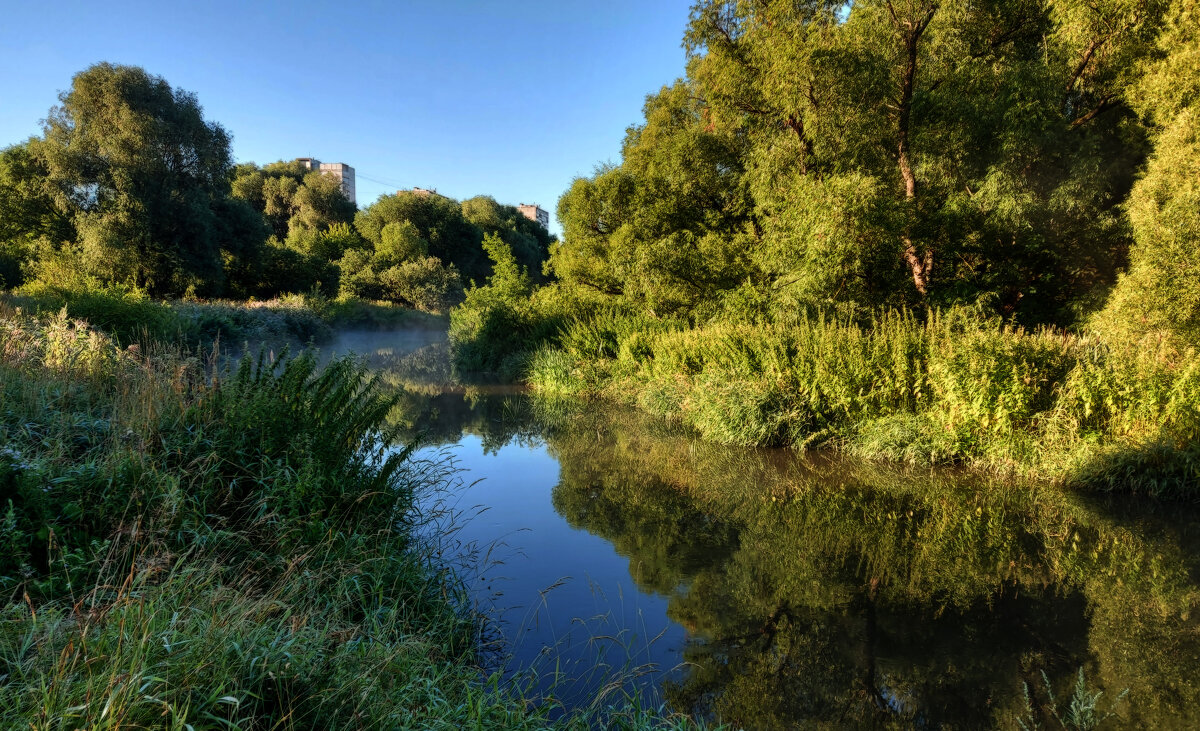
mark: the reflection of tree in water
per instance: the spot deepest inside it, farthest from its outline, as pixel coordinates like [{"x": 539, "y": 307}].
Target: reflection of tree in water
[
  {"x": 666, "y": 538},
  {"x": 841, "y": 595},
  {"x": 434, "y": 410},
  {"x": 853, "y": 596}
]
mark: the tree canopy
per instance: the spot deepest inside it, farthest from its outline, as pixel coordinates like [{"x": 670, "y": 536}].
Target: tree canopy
[
  {"x": 291, "y": 197},
  {"x": 129, "y": 184},
  {"x": 1161, "y": 290},
  {"x": 143, "y": 178},
  {"x": 886, "y": 153}
]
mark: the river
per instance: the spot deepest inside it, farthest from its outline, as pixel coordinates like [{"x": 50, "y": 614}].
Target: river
[{"x": 618, "y": 556}]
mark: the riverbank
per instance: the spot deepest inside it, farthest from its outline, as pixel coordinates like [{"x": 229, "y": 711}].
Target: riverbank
[
  {"x": 191, "y": 547},
  {"x": 131, "y": 316},
  {"x": 948, "y": 388},
  {"x": 769, "y": 589}
]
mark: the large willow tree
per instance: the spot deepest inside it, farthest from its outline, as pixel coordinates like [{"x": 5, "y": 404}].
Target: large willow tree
[
  {"x": 905, "y": 151},
  {"x": 1161, "y": 291},
  {"x": 145, "y": 180}
]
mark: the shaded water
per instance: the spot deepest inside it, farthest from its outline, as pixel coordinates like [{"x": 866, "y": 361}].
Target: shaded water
[{"x": 769, "y": 590}]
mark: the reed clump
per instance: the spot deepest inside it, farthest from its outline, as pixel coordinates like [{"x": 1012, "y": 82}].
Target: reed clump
[{"x": 943, "y": 387}]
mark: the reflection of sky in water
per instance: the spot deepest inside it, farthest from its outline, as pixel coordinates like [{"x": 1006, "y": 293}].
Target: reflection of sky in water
[{"x": 564, "y": 598}]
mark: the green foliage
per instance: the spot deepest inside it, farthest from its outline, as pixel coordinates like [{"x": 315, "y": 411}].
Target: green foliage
[
  {"x": 422, "y": 283},
  {"x": 1161, "y": 290},
  {"x": 425, "y": 244},
  {"x": 935, "y": 153},
  {"x": 398, "y": 269},
  {"x": 400, "y": 242},
  {"x": 291, "y": 197},
  {"x": 991, "y": 386},
  {"x": 28, "y": 216},
  {"x": 288, "y": 267},
  {"x": 130, "y": 186},
  {"x": 498, "y": 324},
  {"x": 951, "y": 388},
  {"x": 528, "y": 240},
  {"x": 128, "y": 314},
  {"x": 142, "y": 176},
  {"x": 665, "y": 230},
  {"x": 1081, "y": 714},
  {"x": 434, "y": 221},
  {"x": 299, "y": 224}
]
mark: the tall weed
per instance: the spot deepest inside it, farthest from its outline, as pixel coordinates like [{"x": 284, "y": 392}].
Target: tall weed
[{"x": 950, "y": 386}]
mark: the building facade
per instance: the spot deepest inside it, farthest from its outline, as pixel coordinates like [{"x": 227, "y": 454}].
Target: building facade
[
  {"x": 340, "y": 170},
  {"x": 535, "y": 213}
]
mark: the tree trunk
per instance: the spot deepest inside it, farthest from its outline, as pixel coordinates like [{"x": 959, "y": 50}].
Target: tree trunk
[{"x": 919, "y": 263}]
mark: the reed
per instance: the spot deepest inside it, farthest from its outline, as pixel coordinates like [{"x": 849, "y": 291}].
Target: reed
[{"x": 946, "y": 387}]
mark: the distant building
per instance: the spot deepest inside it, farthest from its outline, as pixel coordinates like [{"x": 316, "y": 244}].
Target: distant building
[
  {"x": 535, "y": 213},
  {"x": 426, "y": 191},
  {"x": 340, "y": 170}
]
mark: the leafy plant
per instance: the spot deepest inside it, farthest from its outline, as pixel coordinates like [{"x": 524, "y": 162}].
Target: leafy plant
[{"x": 1081, "y": 713}]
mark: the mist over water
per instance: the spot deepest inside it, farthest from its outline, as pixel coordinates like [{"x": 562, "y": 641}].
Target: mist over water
[{"x": 381, "y": 346}]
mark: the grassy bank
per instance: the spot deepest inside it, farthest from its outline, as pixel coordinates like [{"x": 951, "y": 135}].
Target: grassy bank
[
  {"x": 131, "y": 316},
  {"x": 946, "y": 388},
  {"x": 190, "y": 548}
]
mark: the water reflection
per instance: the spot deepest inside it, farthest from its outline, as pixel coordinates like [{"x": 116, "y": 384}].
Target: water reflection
[{"x": 819, "y": 591}]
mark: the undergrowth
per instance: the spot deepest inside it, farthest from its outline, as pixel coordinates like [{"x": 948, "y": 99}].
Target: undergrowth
[
  {"x": 131, "y": 316},
  {"x": 947, "y": 387},
  {"x": 191, "y": 546}
]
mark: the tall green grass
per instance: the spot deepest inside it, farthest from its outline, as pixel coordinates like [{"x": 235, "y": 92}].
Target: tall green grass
[
  {"x": 187, "y": 546},
  {"x": 948, "y": 387}
]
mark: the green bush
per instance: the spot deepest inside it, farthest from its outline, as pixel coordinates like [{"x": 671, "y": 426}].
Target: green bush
[
  {"x": 422, "y": 283},
  {"x": 989, "y": 385},
  {"x": 499, "y": 324},
  {"x": 951, "y": 387},
  {"x": 127, "y": 313}
]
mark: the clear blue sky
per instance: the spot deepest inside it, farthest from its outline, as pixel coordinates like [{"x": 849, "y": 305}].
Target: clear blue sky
[{"x": 508, "y": 99}]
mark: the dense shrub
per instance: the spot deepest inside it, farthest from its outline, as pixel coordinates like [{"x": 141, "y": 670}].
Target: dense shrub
[
  {"x": 499, "y": 325},
  {"x": 423, "y": 284},
  {"x": 950, "y": 387},
  {"x": 127, "y": 313}
]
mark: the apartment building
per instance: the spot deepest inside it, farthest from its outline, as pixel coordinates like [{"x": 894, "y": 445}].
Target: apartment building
[
  {"x": 535, "y": 213},
  {"x": 340, "y": 170}
]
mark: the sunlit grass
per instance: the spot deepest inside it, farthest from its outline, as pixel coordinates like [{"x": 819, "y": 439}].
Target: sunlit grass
[
  {"x": 187, "y": 546},
  {"x": 949, "y": 388}
]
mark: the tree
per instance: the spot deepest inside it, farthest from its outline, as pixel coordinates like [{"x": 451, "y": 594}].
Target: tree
[
  {"x": 976, "y": 150},
  {"x": 291, "y": 197},
  {"x": 437, "y": 220},
  {"x": 141, "y": 174},
  {"x": 422, "y": 282},
  {"x": 28, "y": 216},
  {"x": 529, "y": 241},
  {"x": 1161, "y": 290},
  {"x": 400, "y": 242},
  {"x": 399, "y": 269},
  {"x": 667, "y": 228}
]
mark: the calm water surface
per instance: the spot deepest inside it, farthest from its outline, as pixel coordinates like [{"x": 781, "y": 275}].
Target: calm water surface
[{"x": 768, "y": 590}]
